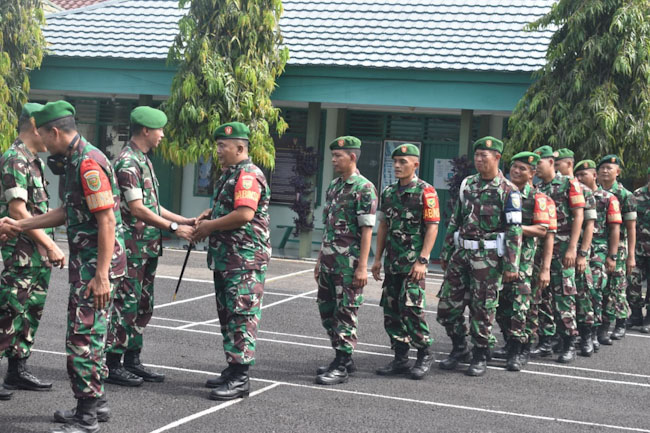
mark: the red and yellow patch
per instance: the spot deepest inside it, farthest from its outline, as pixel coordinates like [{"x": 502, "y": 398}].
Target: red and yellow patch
[
  {"x": 96, "y": 186},
  {"x": 614, "y": 212},
  {"x": 576, "y": 198},
  {"x": 228, "y": 130},
  {"x": 531, "y": 158},
  {"x": 488, "y": 143},
  {"x": 431, "y": 211},
  {"x": 404, "y": 149},
  {"x": 341, "y": 142},
  {"x": 247, "y": 190},
  {"x": 92, "y": 179},
  {"x": 540, "y": 213}
]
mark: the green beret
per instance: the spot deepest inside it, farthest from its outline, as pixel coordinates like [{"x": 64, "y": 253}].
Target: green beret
[
  {"x": 346, "y": 142},
  {"x": 232, "y": 130},
  {"x": 584, "y": 165},
  {"x": 407, "y": 149},
  {"x": 30, "y": 107},
  {"x": 609, "y": 159},
  {"x": 529, "y": 158},
  {"x": 148, "y": 117},
  {"x": 545, "y": 152},
  {"x": 52, "y": 111},
  {"x": 564, "y": 153},
  {"x": 489, "y": 143}
]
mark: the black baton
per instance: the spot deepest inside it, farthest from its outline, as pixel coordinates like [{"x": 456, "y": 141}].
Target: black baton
[{"x": 187, "y": 256}]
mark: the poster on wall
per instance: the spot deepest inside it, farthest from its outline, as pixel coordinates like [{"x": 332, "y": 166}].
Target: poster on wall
[
  {"x": 286, "y": 149},
  {"x": 388, "y": 173},
  {"x": 442, "y": 172}
]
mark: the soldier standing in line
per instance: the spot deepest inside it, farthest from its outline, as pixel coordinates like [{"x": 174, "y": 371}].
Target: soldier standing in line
[
  {"x": 564, "y": 163},
  {"x": 408, "y": 225},
  {"x": 91, "y": 212},
  {"x": 605, "y": 241},
  {"x": 481, "y": 252},
  {"x": 144, "y": 218},
  {"x": 515, "y": 298},
  {"x": 570, "y": 203},
  {"x": 238, "y": 254},
  {"x": 641, "y": 271},
  {"x": 28, "y": 259},
  {"x": 342, "y": 267},
  {"x": 616, "y": 306}
]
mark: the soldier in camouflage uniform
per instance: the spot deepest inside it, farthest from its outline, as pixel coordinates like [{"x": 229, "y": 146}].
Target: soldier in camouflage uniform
[
  {"x": 564, "y": 163},
  {"x": 341, "y": 271},
  {"x": 91, "y": 213},
  {"x": 28, "y": 259},
  {"x": 641, "y": 271},
  {"x": 605, "y": 240},
  {"x": 408, "y": 225},
  {"x": 481, "y": 251},
  {"x": 144, "y": 219},
  {"x": 570, "y": 203},
  {"x": 616, "y": 306},
  {"x": 239, "y": 253},
  {"x": 515, "y": 298}
]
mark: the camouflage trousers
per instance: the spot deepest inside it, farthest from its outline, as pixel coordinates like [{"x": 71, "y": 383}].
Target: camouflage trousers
[
  {"x": 639, "y": 275},
  {"x": 600, "y": 277},
  {"x": 133, "y": 303},
  {"x": 239, "y": 307},
  {"x": 532, "y": 315},
  {"x": 558, "y": 308},
  {"x": 614, "y": 296},
  {"x": 584, "y": 297},
  {"x": 22, "y": 297},
  {"x": 85, "y": 341},
  {"x": 473, "y": 278},
  {"x": 512, "y": 311},
  {"x": 404, "y": 302},
  {"x": 338, "y": 305}
]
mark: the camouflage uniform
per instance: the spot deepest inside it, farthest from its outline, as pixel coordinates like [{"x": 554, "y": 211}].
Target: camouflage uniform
[
  {"x": 567, "y": 195},
  {"x": 515, "y": 298},
  {"x": 25, "y": 278},
  {"x": 133, "y": 301},
  {"x": 642, "y": 270},
  {"x": 407, "y": 212},
  {"x": 350, "y": 205},
  {"x": 473, "y": 276},
  {"x": 239, "y": 259},
  {"x": 608, "y": 212},
  {"x": 616, "y": 306},
  {"x": 584, "y": 280},
  {"x": 87, "y": 327}
]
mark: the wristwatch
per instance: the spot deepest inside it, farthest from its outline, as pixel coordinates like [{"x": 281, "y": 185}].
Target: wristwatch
[
  {"x": 613, "y": 257},
  {"x": 583, "y": 253},
  {"x": 173, "y": 227},
  {"x": 423, "y": 260}
]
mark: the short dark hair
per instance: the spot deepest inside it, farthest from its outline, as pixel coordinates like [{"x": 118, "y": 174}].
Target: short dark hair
[
  {"x": 136, "y": 129},
  {"x": 355, "y": 152},
  {"x": 65, "y": 124},
  {"x": 24, "y": 123}
]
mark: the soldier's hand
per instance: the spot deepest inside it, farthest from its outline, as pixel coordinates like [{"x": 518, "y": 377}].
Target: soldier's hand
[
  {"x": 360, "y": 277},
  {"x": 630, "y": 264},
  {"x": 418, "y": 272},
  {"x": 185, "y": 232},
  {"x": 610, "y": 265},
  {"x": 100, "y": 288},
  {"x": 9, "y": 229},
  {"x": 56, "y": 256},
  {"x": 189, "y": 221},
  {"x": 443, "y": 265},
  {"x": 569, "y": 260},
  {"x": 376, "y": 270},
  {"x": 544, "y": 278},
  {"x": 581, "y": 264},
  {"x": 201, "y": 231},
  {"x": 204, "y": 215},
  {"x": 509, "y": 277}
]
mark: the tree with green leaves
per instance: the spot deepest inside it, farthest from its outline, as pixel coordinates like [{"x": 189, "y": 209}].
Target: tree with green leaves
[
  {"x": 229, "y": 55},
  {"x": 593, "y": 94},
  {"x": 21, "y": 50}
]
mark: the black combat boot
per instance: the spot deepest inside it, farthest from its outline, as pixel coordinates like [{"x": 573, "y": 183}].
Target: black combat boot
[
  {"x": 586, "y": 343},
  {"x": 117, "y": 374},
  {"x": 524, "y": 354},
  {"x": 502, "y": 353},
  {"x": 635, "y": 319},
  {"x": 399, "y": 364},
  {"x": 619, "y": 330},
  {"x": 84, "y": 420},
  {"x": 645, "y": 328},
  {"x": 558, "y": 343},
  {"x": 350, "y": 366},
  {"x": 603, "y": 334},
  {"x": 68, "y": 416},
  {"x": 513, "y": 363},
  {"x": 132, "y": 364},
  {"x": 544, "y": 347},
  {"x": 594, "y": 337},
  {"x": 18, "y": 377},
  {"x": 569, "y": 353},
  {"x": 237, "y": 385},
  {"x": 5, "y": 394},
  {"x": 423, "y": 363},
  {"x": 222, "y": 378},
  {"x": 478, "y": 365},
  {"x": 336, "y": 372},
  {"x": 459, "y": 353}
]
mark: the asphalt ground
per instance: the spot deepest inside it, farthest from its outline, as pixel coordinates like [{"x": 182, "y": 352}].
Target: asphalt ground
[{"x": 607, "y": 392}]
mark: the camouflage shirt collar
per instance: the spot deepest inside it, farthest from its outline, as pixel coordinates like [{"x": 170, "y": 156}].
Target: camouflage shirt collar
[
  {"x": 527, "y": 191},
  {"x": 412, "y": 184},
  {"x": 350, "y": 179},
  {"x": 22, "y": 148},
  {"x": 139, "y": 153}
]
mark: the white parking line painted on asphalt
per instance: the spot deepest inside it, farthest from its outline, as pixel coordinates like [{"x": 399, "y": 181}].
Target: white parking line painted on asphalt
[
  {"x": 211, "y": 410},
  {"x": 395, "y": 398}
]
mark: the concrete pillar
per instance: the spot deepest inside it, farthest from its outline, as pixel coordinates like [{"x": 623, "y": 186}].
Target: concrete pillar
[
  {"x": 496, "y": 126},
  {"x": 465, "y": 140},
  {"x": 312, "y": 140}
]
